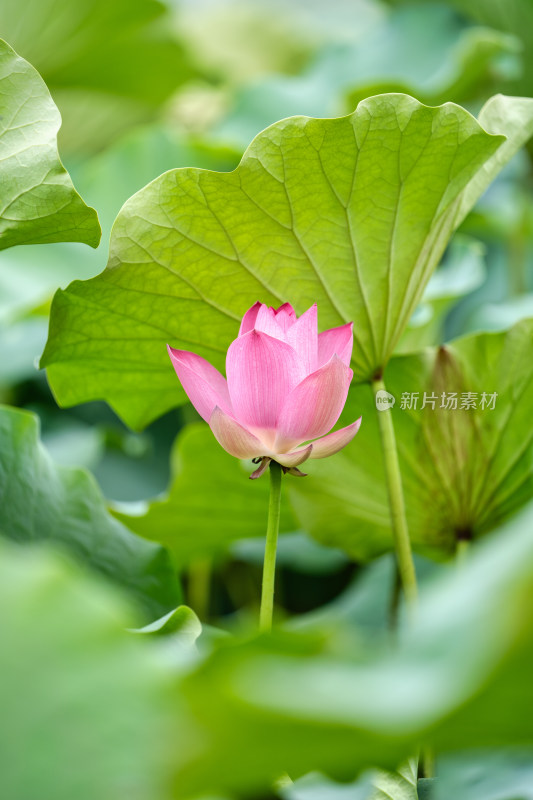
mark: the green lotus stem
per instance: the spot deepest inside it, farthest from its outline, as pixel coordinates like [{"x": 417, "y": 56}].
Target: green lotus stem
[
  {"x": 269, "y": 564},
  {"x": 199, "y": 586},
  {"x": 402, "y": 543},
  {"x": 461, "y": 552}
]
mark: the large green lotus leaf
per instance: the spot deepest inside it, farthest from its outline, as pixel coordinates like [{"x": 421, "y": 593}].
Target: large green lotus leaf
[
  {"x": 458, "y": 677},
  {"x": 38, "y": 202},
  {"x": 109, "y": 66},
  {"x": 210, "y": 504},
  {"x": 463, "y": 470},
  {"x": 84, "y": 703},
  {"x": 353, "y": 213},
  {"x": 42, "y": 501}
]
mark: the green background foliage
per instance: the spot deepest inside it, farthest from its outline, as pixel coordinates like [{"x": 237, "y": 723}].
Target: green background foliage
[
  {"x": 40, "y": 501},
  {"x": 463, "y": 470},
  {"x": 130, "y": 665}
]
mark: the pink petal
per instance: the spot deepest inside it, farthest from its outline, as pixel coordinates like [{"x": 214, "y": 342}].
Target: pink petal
[
  {"x": 235, "y": 439},
  {"x": 286, "y": 316},
  {"x": 333, "y": 442},
  {"x": 303, "y": 336},
  {"x": 261, "y": 372},
  {"x": 295, "y": 458},
  {"x": 314, "y": 406},
  {"x": 204, "y": 385},
  {"x": 335, "y": 341},
  {"x": 248, "y": 321},
  {"x": 266, "y": 322}
]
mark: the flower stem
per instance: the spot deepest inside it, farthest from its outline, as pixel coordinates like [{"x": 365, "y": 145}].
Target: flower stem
[
  {"x": 199, "y": 586},
  {"x": 400, "y": 531},
  {"x": 461, "y": 553},
  {"x": 269, "y": 564}
]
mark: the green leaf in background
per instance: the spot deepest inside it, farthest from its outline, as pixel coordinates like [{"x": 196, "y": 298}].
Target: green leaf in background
[
  {"x": 295, "y": 550},
  {"x": 109, "y": 66},
  {"x": 84, "y": 704},
  {"x": 182, "y": 620},
  {"x": 462, "y": 271},
  {"x": 428, "y": 51},
  {"x": 426, "y": 788},
  {"x": 23, "y": 341},
  {"x": 463, "y": 470},
  {"x": 211, "y": 503},
  {"x": 365, "y": 605},
  {"x": 505, "y": 774},
  {"x": 237, "y": 41},
  {"x": 513, "y": 16},
  {"x": 42, "y": 501},
  {"x": 317, "y": 787},
  {"x": 424, "y": 50},
  {"x": 459, "y": 677},
  {"x": 194, "y": 249},
  {"x": 499, "y": 316},
  {"x": 180, "y": 629},
  {"x": 38, "y": 203}
]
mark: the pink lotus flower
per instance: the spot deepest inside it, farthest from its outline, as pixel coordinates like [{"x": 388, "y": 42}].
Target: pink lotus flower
[{"x": 286, "y": 385}]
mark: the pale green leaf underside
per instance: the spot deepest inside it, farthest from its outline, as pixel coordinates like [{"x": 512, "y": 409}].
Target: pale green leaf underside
[
  {"x": 352, "y": 213},
  {"x": 192, "y": 528},
  {"x": 400, "y": 785},
  {"x": 41, "y": 501},
  {"x": 463, "y": 471},
  {"x": 38, "y": 202}
]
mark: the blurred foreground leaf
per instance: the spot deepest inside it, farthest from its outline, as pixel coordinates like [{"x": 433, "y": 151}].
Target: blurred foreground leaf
[
  {"x": 42, "y": 501},
  {"x": 458, "y": 677},
  {"x": 254, "y": 708},
  {"x": 194, "y": 249},
  {"x": 38, "y": 202},
  {"x": 211, "y": 502},
  {"x": 84, "y": 704},
  {"x": 463, "y": 470}
]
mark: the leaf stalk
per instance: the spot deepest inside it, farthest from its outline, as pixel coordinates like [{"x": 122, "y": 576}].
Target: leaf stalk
[
  {"x": 269, "y": 564},
  {"x": 402, "y": 543}
]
